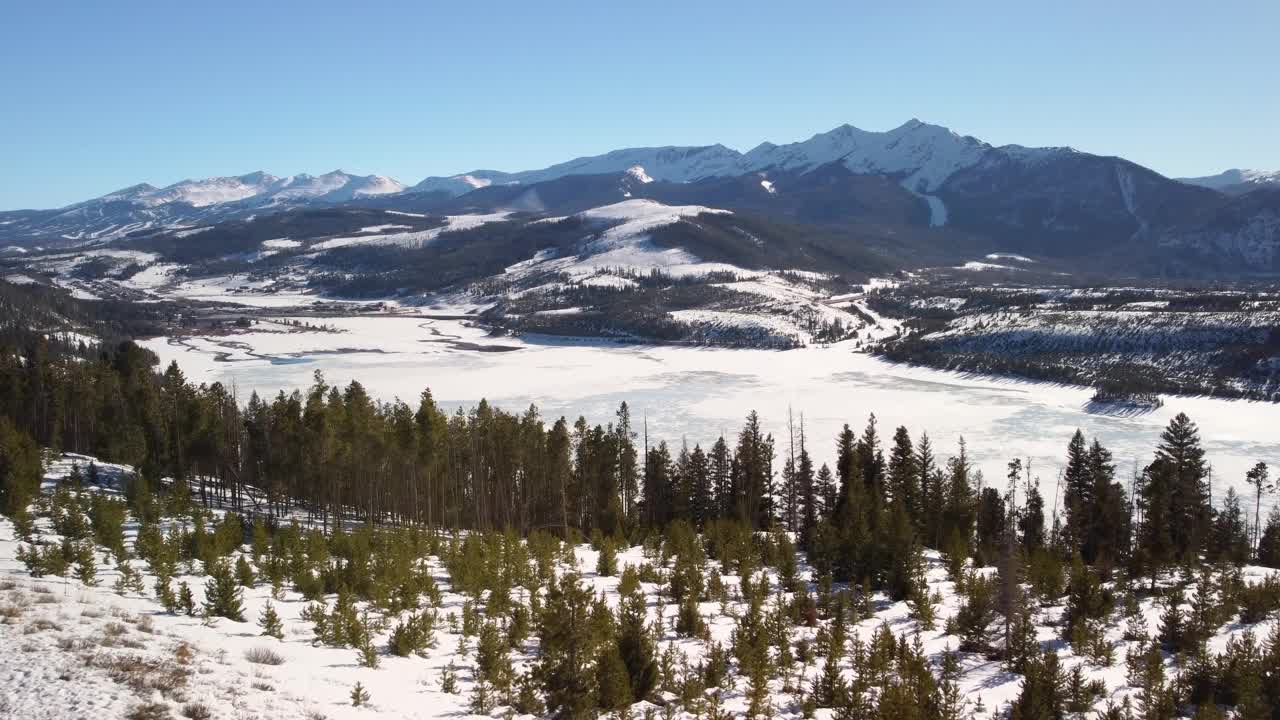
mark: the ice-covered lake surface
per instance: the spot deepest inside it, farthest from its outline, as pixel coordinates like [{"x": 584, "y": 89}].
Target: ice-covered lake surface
[{"x": 695, "y": 394}]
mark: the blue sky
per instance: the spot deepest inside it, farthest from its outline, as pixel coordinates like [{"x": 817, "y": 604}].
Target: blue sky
[{"x": 97, "y": 96}]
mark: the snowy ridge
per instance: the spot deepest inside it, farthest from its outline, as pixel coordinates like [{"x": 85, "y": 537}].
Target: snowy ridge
[
  {"x": 418, "y": 238},
  {"x": 1235, "y": 176},
  {"x": 923, "y": 155},
  {"x": 258, "y": 187}
]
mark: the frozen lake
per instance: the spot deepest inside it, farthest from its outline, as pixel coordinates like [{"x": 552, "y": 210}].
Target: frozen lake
[{"x": 699, "y": 393}]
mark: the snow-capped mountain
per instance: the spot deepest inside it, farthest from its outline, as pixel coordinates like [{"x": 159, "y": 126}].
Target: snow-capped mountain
[
  {"x": 923, "y": 155},
  {"x": 1237, "y": 181},
  {"x": 257, "y": 187},
  {"x": 144, "y": 206},
  {"x": 1054, "y": 200}
]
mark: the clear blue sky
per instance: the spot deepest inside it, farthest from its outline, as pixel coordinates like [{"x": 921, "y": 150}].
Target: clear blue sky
[{"x": 97, "y": 96}]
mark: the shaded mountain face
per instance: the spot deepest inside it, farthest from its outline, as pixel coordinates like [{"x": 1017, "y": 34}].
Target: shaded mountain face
[{"x": 917, "y": 190}]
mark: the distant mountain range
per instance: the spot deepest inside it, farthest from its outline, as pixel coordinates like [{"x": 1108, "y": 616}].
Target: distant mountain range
[
  {"x": 919, "y": 185},
  {"x": 1237, "y": 181}
]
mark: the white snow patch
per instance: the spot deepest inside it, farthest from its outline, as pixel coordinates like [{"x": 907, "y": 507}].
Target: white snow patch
[{"x": 638, "y": 173}]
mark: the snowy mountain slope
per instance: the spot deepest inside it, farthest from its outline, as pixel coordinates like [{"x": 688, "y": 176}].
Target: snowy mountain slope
[
  {"x": 1236, "y": 181},
  {"x": 145, "y": 207},
  {"x": 924, "y": 155},
  {"x": 1105, "y": 212}
]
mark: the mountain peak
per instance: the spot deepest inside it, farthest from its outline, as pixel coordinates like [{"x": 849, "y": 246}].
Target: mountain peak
[{"x": 1236, "y": 180}]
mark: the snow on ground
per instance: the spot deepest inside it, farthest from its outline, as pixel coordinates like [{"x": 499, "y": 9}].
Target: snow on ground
[
  {"x": 417, "y": 238},
  {"x": 18, "y": 279},
  {"x": 192, "y": 231},
  {"x": 94, "y": 651},
  {"x": 1009, "y": 256},
  {"x": 613, "y": 281},
  {"x": 280, "y": 244},
  {"x": 980, "y": 266},
  {"x": 768, "y": 326},
  {"x": 639, "y": 174},
  {"x": 624, "y": 244},
  {"x": 700, "y": 392},
  {"x": 153, "y": 276},
  {"x": 633, "y": 218}
]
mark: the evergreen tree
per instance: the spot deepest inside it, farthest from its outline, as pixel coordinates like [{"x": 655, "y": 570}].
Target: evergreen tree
[
  {"x": 810, "y": 510},
  {"x": 752, "y": 476},
  {"x": 721, "y": 466},
  {"x": 1174, "y": 498},
  {"x": 244, "y": 573},
  {"x": 222, "y": 593},
  {"x": 1230, "y": 539},
  {"x": 991, "y": 525},
  {"x": 1268, "y": 553},
  {"x": 904, "y": 475},
  {"x": 359, "y": 695},
  {"x": 613, "y": 688},
  {"x": 826, "y": 490},
  {"x": 566, "y": 650},
  {"x": 1077, "y": 488},
  {"x": 270, "y": 623},
  {"x": 949, "y": 700},
  {"x": 186, "y": 600},
  {"x": 1260, "y": 478},
  {"x": 1087, "y": 600},
  {"x": 700, "y": 497},
  {"x": 635, "y": 646},
  {"x": 1031, "y": 526},
  {"x": 1041, "y": 697}
]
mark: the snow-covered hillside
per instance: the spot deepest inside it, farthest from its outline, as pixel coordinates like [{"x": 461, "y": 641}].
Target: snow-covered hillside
[{"x": 98, "y": 642}]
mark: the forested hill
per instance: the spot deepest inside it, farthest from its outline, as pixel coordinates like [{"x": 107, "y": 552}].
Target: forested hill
[
  {"x": 347, "y": 500},
  {"x": 491, "y": 469}
]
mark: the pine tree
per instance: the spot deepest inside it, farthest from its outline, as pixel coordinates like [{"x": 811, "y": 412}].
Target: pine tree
[
  {"x": 826, "y": 490},
  {"x": 613, "y": 687},
  {"x": 566, "y": 650},
  {"x": 904, "y": 475},
  {"x": 721, "y": 478},
  {"x": 1174, "y": 498},
  {"x": 1259, "y": 477},
  {"x": 635, "y": 646},
  {"x": 1173, "y": 626},
  {"x": 992, "y": 527},
  {"x": 1087, "y": 600},
  {"x": 1031, "y": 526},
  {"x": 607, "y": 559},
  {"x": 1041, "y": 697},
  {"x": 1269, "y": 544},
  {"x": 222, "y": 593},
  {"x": 949, "y": 700},
  {"x": 1230, "y": 540},
  {"x": 1076, "y": 490},
  {"x": 359, "y": 696},
  {"x": 186, "y": 601},
  {"x": 86, "y": 564},
  {"x": 270, "y": 623},
  {"x": 244, "y": 573}
]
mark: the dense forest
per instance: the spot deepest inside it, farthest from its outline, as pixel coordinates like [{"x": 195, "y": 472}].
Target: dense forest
[{"x": 342, "y": 459}]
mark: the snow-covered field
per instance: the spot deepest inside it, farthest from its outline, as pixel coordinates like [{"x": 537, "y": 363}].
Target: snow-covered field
[{"x": 699, "y": 393}]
